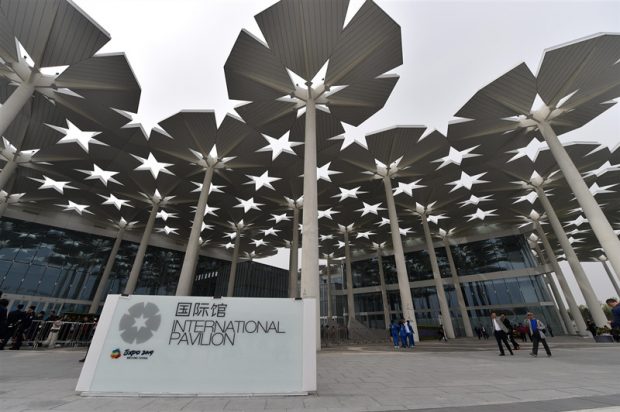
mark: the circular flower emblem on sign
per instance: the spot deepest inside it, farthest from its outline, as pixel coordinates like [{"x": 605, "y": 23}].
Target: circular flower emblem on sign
[{"x": 140, "y": 322}]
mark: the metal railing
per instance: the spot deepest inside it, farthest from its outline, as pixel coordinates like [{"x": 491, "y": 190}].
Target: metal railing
[{"x": 52, "y": 334}]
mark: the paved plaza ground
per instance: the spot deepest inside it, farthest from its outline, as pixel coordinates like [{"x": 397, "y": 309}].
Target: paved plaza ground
[{"x": 463, "y": 375}]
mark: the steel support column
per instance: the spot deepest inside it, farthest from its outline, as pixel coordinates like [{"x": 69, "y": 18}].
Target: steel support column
[
  {"x": 294, "y": 251},
  {"x": 192, "y": 251},
  {"x": 103, "y": 282},
  {"x": 591, "y": 209},
  {"x": 441, "y": 293},
  {"x": 459, "y": 293},
  {"x": 598, "y": 316},
  {"x": 399, "y": 258},
  {"x": 570, "y": 299},
  {"x": 310, "y": 234},
  {"x": 144, "y": 243}
]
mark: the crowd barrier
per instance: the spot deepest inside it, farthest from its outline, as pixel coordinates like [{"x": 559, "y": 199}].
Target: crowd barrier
[{"x": 53, "y": 334}]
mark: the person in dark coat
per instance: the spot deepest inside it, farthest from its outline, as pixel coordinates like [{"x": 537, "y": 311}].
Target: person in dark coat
[
  {"x": 22, "y": 326},
  {"x": 13, "y": 320},
  {"x": 511, "y": 331},
  {"x": 403, "y": 333},
  {"x": 4, "y": 321},
  {"x": 394, "y": 333}
]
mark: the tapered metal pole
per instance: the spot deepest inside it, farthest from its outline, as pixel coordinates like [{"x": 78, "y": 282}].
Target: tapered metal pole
[
  {"x": 441, "y": 293},
  {"x": 294, "y": 250},
  {"x": 384, "y": 297},
  {"x": 103, "y": 282},
  {"x": 349, "y": 274},
  {"x": 570, "y": 299},
  {"x": 547, "y": 279},
  {"x": 310, "y": 234},
  {"x": 568, "y": 324},
  {"x": 598, "y": 316},
  {"x": 611, "y": 277},
  {"x": 7, "y": 171},
  {"x": 330, "y": 313},
  {"x": 12, "y": 106},
  {"x": 186, "y": 278},
  {"x": 591, "y": 209},
  {"x": 459, "y": 293},
  {"x": 233, "y": 266},
  {"x": 144, "y": 243},
  {"x": 399, "y": 258}
]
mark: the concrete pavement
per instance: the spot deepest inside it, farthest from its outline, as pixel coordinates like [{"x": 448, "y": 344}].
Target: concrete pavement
[{"x": 462, "y": 375}]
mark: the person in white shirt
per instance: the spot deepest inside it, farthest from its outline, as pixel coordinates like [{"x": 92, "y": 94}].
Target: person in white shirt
[{"x": 501, "y": 334}]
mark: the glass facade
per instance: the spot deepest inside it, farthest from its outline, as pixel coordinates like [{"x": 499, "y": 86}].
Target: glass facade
[
  {"x": 513, "y": 296},
  {"x": 44, "y": 261}
]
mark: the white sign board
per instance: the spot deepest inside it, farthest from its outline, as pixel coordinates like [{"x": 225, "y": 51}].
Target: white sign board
[{"x": 202, "y": 346}]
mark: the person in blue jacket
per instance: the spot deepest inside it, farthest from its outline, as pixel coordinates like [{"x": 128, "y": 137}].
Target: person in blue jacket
[
  {"x": 395, "y": 332},
  {"x": 403, "y": 333}
]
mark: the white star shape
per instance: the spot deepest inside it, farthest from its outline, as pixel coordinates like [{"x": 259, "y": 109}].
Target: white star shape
[
  {"x": 104, "y": 176},
  {"x": 341, "y": 244},
  {"x": 144, "y": 123},
  {"x": 384, "y": 221},
  {"x": 162, "y": 214},
  {"x": 229, "y": 245},
  {"x": 279, "y": 146},
  {"x": 115, "y": 201},
  {"x": 152, "y": 165},
  {"x": 350, "y": 136},
  {"x": 466, "y": 181},
  {"x": 49, "y": 183},
  {"x": 323, "y": 172},
  {"x": 456, "y": 157},
  {"x": 364, "y": 235},
  {"x": 481, "y": 214},
  {"x": 167, "y": 230},
  {"x": 263, "y": 180},
  {"x": 404, "y": 231},
  {"x": 248, "y": 205},
  {"x": 349, "y": 193},
  {"x": 374, "y": 209},
  {"x": 436, "y": 218},
  {"x": 280, "y": 218},
  {"x": 210, "y": 210},
  {"x": 259, "y": 242},
  {"x": 212, "y": 188},
  {"x": 407, "y": 188},
  {"x": 327, "y": 213},
  {"x": 532, "y": 150},
  {"x": 75, "y": 207},
  {"x": 326, "y": 237},
  {"x": 206, "y": 227},
  {"x": 270, "y": 231},
  {"x": 72, "y": 134},
  {"x": 595, "y": 189},
  {"x": 475, "y": 200},
  {"x": 140, "y": 322},
  {"x": 580, "y": 220}
]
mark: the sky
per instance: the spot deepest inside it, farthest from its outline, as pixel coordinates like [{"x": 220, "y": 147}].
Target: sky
[{"x": 451, "y": 49}]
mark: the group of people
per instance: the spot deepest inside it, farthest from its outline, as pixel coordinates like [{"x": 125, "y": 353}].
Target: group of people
[
  {"x": 503, "y": 330},
  {"x": 401, "y": 333},
  {"x": 15, "y": 325}
]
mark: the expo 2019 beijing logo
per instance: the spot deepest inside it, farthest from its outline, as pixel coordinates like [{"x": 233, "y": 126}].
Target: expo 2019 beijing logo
[{"x": 140, "y": 322}]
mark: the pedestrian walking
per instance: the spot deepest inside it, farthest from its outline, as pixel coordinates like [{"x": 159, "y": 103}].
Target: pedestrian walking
[
  {"x": 478, "y": 332},
  {"x": 536, "y": 327},
  {"x": 501, "y": 334},
  {"x": 395, "y": 333},
  {"x": 410, "y": 333},
  {"x": 485, "y": 334},
  {"x": 4, "y": 321},
  {"x": 403, "y": 333},
  {"x": 442, "y": 333},
  {"x": 511, "y": 331}
]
